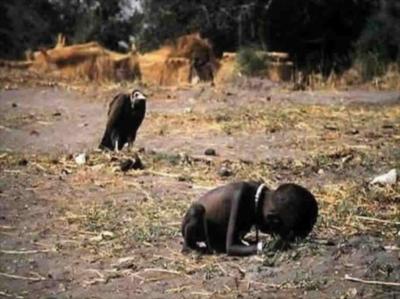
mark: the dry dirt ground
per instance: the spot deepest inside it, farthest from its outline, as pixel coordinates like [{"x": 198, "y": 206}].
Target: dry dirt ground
[{"x": 92, "y": 231}]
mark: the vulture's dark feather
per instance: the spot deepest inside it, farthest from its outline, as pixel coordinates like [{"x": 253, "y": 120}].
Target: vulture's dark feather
[{"x": 124, "y": 119}]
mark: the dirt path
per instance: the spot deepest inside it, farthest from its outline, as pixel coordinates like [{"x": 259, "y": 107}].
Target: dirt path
[{"x": 63, "y": 227}]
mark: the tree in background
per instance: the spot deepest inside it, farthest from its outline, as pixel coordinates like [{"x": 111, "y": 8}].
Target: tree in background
[
  {"x": 379, "y": 44},
  {"x": 31, "y": 24},
  {"x": 97, "y": 20},
  {"x": 24, "y": 25},
  {"x": 229, "y": 24},
  {"x": 381, "y": 35},
  {"x": 318, "y": 34}
]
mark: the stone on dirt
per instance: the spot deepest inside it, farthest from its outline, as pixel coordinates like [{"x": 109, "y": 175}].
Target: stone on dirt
[
  {"x": 23, "y": 162},
  {"x": 224, "y": 172},
  {"x": 80, "y": 159},
  {"x": 131, "y": 163},
  {"x": 388, "y": 178},
  {"x": 210, "y": 152}
]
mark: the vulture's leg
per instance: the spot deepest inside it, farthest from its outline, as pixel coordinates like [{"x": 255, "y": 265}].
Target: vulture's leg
[
  {"x": 115, "y": 140},
  {"x": 116, "y": 146}
]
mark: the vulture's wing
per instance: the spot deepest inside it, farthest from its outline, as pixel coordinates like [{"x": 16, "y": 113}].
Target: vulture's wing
[
  {"x": 116, "y": 114},
  {"x": 116, "y": 108}
]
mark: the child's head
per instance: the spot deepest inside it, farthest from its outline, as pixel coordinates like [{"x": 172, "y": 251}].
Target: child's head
[{"x": 290, "y": 212}]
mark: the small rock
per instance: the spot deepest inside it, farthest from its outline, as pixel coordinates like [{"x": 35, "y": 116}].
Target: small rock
[
  {"x": 62, "y": 288},
  {"x": 224, "y": 172},
  {"x": 23, "y": 162},
  {"x": 321, "y": 171},
  {"x": 126, "y": 164},
  {"x": 14, "y": 105},
  {"x": 210, "y": 152},
  {"x": 34, "y": 132},
  {"x": 388, "y": 126},
  {"x": 107, "y": 235},
  {"x": 184, "y": 178},
  {"x": 113, "y": 159},
  {"x": 134, "y": 163},
  {"x": 388, "y": 178},
  {"x": 80, "y": 159},
  {"x": 353, "y": 132},
  {"x": 330, "y": 127},
  {"x": 351, "y": 293},
  {"x": 57, "y": 113}
]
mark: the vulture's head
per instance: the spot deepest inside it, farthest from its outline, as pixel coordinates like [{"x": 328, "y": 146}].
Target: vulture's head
[{"x": 137, "y": 98}]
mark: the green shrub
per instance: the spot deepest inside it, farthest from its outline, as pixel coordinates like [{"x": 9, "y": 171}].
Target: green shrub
[
  {"x": 370, "y": 65},
  {"x": 250, "y": 62},
  {"x": 379, "y": 43}
]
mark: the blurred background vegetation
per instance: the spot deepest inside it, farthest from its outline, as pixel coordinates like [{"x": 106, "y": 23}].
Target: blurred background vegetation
[{"x": 319, "y": 35}]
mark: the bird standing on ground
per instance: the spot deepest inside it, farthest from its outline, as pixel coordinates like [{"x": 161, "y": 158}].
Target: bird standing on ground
[{"x": 125, "y": 115}]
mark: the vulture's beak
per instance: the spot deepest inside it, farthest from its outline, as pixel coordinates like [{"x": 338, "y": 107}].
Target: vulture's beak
[{"x": 141, "y": 97}]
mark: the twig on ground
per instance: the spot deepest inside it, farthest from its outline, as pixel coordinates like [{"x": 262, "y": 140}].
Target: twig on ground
[
  {"x": 142, "y": 279},
  {"x": 267, "y": 285},
  {"x": 6, "y": 227},
  {"x": 170, "y": 175},
  {"x": 374, "y": 282},
  {"x": 3, "y": 251},
  {"x": 86, "y": 283},
  {"x": 240, "y": 269},
  {"x": 161, "y": 270},
  {"x": 38, "y": 166},
  {"x": 11, "y": 171},
  {"x": 13, "y": 276},
  {"x": 177, "y": 290},
  {"x": 377, "y": 220},
  {"x": 205, "y": 294},
  {"x": 391, "y": 248},
  {"x": 96, "y": 272},
  {"x": 4, "y": 294},
  {"x": 222, "y": 269},
  {"x": 93, "y": 281}
]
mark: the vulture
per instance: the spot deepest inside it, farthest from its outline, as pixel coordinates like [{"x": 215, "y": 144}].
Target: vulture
[{"x": 125, "y": 115}]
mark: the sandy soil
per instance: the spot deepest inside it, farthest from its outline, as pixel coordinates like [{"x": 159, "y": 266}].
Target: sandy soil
[{"x": 64, "y": 227}]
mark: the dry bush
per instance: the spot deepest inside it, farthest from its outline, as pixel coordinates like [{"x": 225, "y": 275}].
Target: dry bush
[
  {"x": 172, "y": 63},
  {"x": 86, "y": 61},
  {"x": 228, "y": 69},
  {"x": 272, "y": 65}
]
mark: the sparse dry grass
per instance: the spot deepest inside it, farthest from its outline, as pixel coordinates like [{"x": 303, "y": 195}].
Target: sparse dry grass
[
  {"x": 106, "y": 214},
  {"x": 340, "y": 201}
]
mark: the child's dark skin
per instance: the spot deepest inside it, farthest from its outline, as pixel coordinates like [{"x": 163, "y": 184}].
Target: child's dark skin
[{"x": 222, "y": 216}]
